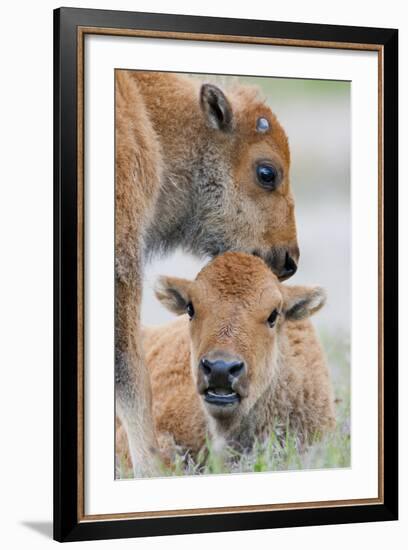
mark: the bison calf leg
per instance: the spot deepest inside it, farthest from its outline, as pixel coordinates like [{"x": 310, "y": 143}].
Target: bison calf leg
[{"x": 132, "y": 383}]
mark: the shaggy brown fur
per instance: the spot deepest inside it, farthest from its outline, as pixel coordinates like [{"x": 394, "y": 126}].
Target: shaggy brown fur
[
  {"x": 286, "y": 378},
  {"x": 186, "y": 156}
]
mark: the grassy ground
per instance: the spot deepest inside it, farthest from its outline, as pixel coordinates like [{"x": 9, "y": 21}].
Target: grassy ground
[{"x": 274, "y": 455}]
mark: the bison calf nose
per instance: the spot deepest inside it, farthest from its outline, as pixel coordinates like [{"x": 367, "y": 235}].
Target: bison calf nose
[
  {"x": 283, "y": 262},
  {"x": 221, "y": 373},
  {"x": 289, "y": 267}
]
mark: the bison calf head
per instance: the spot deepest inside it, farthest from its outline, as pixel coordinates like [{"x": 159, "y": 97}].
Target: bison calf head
[
  {"x": 237, "y": 308},
  {"x": 244, "y": 200}
]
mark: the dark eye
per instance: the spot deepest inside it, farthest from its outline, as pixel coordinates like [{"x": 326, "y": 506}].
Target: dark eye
[
  {"x": 268, "y": 176},
  {"x": 190, "y": 310},
  {"x": 272, "y": 318}
]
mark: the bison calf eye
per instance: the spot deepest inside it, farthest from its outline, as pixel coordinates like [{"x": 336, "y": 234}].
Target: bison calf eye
[
  {"x": 272, "y": 318},
  {"x": 268, "y": 176},
  {"x": 190, "y": 310}
]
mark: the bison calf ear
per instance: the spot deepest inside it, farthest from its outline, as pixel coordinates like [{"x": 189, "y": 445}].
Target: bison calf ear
[
  {"x": 216, "y": 107},
  {"x": 172, "y": 292},
  {"x": 302, "y": 301}
]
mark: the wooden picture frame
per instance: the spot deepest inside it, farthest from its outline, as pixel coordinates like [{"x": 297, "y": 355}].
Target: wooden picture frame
[{"x": 70, "y": 27}]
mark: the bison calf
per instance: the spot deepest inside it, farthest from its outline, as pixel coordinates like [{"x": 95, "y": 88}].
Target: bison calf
[{"x": 245, "y": 357}]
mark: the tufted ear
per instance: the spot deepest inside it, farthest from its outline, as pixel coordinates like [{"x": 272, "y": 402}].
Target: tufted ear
[
  {"x": 173, "y": 293},
  {"x": 216, "y": 107},
  {"x": 302, "y": 301}
]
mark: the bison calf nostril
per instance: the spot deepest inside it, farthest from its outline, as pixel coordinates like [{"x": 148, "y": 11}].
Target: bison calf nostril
[
  {"x": 236, "y": 369},
  {"x": 206, "y": 366},
  {"x": 290, "y": 266}
]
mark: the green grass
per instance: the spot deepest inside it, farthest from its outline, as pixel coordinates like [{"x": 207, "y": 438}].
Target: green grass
[{"x": 281, "y": 452}]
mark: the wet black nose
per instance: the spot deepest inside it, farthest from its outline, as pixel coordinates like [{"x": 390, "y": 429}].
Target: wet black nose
[
  {"x": 221, "y": 373},
  {"x": 289, "y": 267},
  {"x": 283, "y": 262}
]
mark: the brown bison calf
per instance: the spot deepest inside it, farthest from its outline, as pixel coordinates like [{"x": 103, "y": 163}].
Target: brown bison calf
[
  {"x": 195, "y": 169},
  {"x": 244, "y": 358}
]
